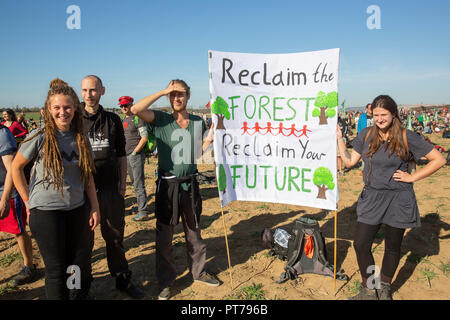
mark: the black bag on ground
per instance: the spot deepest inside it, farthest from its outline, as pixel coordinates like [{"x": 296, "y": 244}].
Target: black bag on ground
[{"x": 305, "y": 253}]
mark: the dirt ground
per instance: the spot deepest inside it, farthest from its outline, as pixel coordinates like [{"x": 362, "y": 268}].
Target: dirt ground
[{"x": 423, "y": 272}]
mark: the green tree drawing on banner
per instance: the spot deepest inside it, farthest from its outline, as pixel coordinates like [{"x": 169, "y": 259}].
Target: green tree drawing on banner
[
  {"x": 325, "y": 106},
  {"x": 222, "y": 179},
  {"x": 220, "y": 109},
  {"x": 323, "y": 179}
]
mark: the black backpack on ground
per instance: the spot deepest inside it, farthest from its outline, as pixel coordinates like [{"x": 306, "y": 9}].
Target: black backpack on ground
[{"x": 306, "y": 251}]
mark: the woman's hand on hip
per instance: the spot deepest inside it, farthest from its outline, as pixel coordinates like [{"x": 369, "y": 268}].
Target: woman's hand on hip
[{"x": 402, "y": 176}]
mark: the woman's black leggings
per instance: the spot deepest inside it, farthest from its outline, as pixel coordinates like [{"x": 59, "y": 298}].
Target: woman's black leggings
[
  {"x": 364, "y": 237},
  {"x": 61, "y": 236}
]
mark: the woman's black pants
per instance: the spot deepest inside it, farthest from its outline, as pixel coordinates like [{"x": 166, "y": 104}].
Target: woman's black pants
[
  {"x": 61, "y": 237},
  {"x": 364, "y": 238}
]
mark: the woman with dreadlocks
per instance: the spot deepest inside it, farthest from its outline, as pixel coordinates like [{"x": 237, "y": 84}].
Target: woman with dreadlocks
[
  {"x": 388, "y": 196},
  {"x": 60, "y": 218}
]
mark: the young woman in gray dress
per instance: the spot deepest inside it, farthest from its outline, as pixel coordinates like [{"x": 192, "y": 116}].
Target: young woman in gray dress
[{"x": 388, "y": 196}]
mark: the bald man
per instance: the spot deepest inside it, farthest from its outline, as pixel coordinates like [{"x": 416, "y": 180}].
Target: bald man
[{"x": 107, "y": 138}]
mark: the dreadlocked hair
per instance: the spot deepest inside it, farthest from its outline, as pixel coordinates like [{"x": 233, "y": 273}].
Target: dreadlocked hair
[{"x": 53, "y": 168}]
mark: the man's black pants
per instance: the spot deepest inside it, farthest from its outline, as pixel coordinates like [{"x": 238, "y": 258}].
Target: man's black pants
[{"x": 112, "y": 225}]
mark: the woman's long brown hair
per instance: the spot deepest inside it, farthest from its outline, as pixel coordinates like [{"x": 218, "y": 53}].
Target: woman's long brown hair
[
  {"x": 395, "y": 131},
  {"x": 52, "y": 159}
]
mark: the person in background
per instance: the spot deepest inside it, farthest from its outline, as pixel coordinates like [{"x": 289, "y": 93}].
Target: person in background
[
  {"x": 344, "y": 128},
  {"x": 33, "y": 124},
  {"x": 22, "y": 121},
  {"x": 358, "y": 114},
  {"x": 41, "y": 118},
  {"x": 365, "y": 119},
  {"x": 136, "y": 137},
  {"x": 10, "y": 121}
]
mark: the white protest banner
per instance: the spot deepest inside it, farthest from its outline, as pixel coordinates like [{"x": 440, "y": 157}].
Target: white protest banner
[{"x": 275, "y": 119}]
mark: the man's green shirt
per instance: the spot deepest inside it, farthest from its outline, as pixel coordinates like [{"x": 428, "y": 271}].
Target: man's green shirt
[{"x": 178, "y": 148}]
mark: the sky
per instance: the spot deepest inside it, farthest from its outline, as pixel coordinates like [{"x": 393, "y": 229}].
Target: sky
[{"x": 136, "y": 47}]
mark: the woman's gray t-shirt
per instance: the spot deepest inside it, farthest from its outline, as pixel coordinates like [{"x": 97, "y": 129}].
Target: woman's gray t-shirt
[
  {"x": 379, "y": 170},
  {"x": 44, "y": 196}
]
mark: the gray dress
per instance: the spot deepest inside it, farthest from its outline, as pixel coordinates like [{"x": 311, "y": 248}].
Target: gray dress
[{"x": 384, "y": 200}]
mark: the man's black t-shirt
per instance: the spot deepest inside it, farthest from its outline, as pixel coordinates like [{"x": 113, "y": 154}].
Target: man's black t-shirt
[{"x": 107, "y": 139}]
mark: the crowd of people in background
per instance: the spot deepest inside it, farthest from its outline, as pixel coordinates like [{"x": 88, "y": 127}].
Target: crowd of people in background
[
  {"x": 420, "y": 120},
  {"x": 434, "y": 120}
]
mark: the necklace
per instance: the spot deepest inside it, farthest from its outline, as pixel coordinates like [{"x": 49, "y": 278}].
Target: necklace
[{"x": 385, "y": 137}]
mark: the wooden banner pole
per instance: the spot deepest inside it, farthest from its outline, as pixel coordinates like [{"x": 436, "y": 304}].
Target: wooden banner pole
[
  {"x": 335, "y": 249},
  {"x": 228, "y": 251}
]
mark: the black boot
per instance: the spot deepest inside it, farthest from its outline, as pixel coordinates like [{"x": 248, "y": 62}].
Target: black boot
[
  {"x": 365, "y": 294},
  {"x": 124, "y": 284},
  {"x": 384, "y": 293},
  {"x": 80, "y": 294}
]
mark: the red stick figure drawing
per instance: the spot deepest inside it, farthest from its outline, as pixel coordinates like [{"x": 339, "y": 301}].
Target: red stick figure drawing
[
  {"x": 280, "y": 129},
  {"x": 303, "y": 131},
  {"x": 246, "y": 128},
  {"x": 257, "y": 128},
  {"x": 269, "y": 129},
  {"x": 293, "y": 130}
]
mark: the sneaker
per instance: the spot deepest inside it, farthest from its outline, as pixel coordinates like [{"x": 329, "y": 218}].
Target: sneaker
[
  {"x": 141, "y": 217},
  {"x": 208, "y": 279},
  {"x": 341, "y": 173},
  {"x": 384, "y": 293},
  {"x": 164, "y": 294},
  {"x": 25, "y": 275},
  {"x": 365, "y": 294}
]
